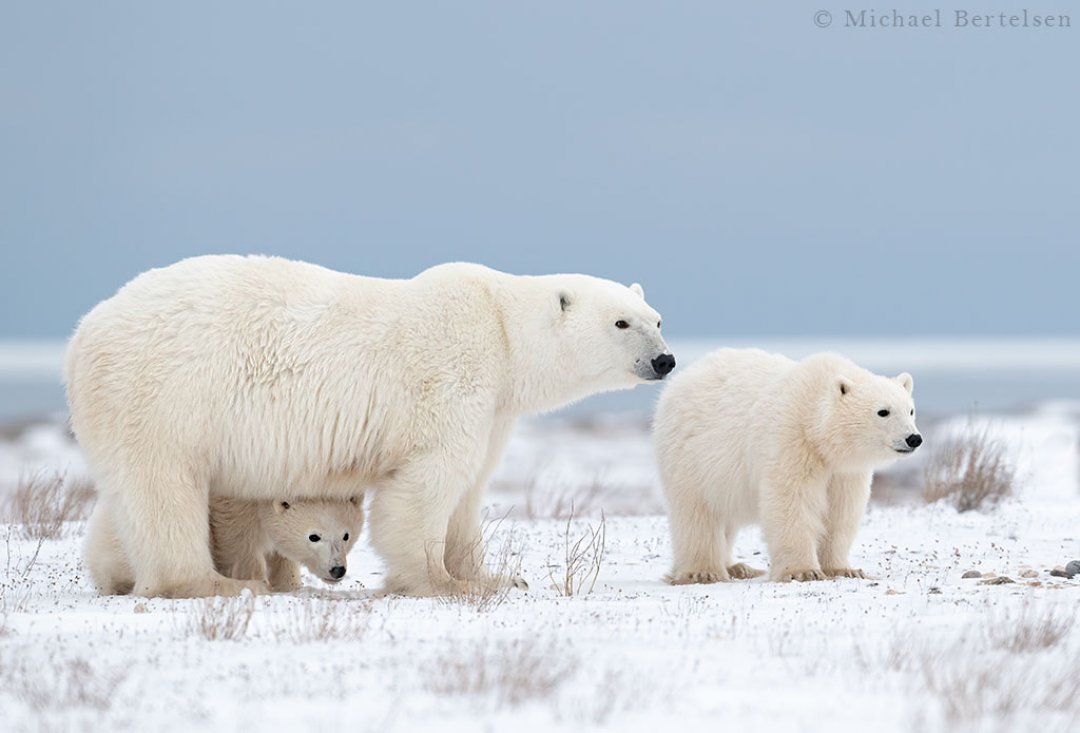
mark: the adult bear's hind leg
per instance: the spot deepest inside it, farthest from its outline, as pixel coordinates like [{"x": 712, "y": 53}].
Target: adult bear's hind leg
[{"x": 104, "y": 554}]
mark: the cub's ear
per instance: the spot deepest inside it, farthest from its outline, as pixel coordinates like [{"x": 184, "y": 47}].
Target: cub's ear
[
  {"x": 845, "y": 385},
  {"x": 906, "y": 382},
  {"x": 356, "y": 500},
  {"x": 281, "y": 506},
  {"x": 564, "y": 301},
  {"x": 637, "y": 290}
]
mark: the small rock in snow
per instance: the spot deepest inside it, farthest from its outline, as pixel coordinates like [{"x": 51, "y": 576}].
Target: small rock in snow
[
  {"x": 971, "y": 574},
  {"x": 1073, "y": 568},
  {"x": 1059, "y": 572},
  {"x": 999, "y": 580},
  {"x": 1029, "y": 573}
]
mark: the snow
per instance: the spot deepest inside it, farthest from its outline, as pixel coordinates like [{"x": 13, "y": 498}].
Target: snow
[{"x": 915, "y": 648}]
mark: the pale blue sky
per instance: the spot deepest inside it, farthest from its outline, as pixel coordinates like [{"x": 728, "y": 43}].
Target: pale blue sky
[{"x": 760, "y": 175}]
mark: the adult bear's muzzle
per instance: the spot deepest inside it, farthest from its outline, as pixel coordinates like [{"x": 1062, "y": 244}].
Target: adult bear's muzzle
[{"x": 663, "y": 364}]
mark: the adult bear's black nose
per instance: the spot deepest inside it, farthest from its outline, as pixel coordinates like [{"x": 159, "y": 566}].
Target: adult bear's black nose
[
  {"x": 337, "y": 572},
  {"x": 914, "y": 441},
  {"x": 663, "y": 364}
]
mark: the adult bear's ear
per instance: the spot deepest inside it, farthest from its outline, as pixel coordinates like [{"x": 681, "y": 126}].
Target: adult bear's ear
[
  {"x": 845, "y": 385},
  {"x": 281, "y": 506},
  {"x": 906, "y": 381},
  {"x": 637, "y": 290}
]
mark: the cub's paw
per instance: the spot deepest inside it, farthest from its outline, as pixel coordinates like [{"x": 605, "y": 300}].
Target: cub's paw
[
  {"x": 800, "y": 575},
  {"x": 845, "y": 573},
  {"x": 688, "y": 577},
  {"x": 742, "y": 571}
]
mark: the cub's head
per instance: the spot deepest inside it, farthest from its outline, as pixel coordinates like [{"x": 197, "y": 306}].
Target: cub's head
[
  {"x": 609, "y": 332},
  {"x": 873, "y": 418},
  {"x": 316, "y": 533}
]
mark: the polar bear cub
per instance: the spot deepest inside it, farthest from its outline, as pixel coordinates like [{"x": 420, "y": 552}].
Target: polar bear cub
[
  {"x": 744, "y": 436},
  {"x": 263, "y": 541}
]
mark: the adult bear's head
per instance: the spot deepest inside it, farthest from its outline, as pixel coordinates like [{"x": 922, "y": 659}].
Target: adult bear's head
[{"x": 607, "y": 334}]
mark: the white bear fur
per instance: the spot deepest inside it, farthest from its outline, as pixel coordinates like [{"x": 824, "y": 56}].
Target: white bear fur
[
  {"x": 745, "y": 437},
  {"x": 264, "y": 541},
  {"x": 259, "y": 377}
]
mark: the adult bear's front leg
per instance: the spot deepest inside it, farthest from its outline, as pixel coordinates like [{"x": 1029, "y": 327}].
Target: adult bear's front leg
[
  {"x": 410, "y": 516},
  {"x": 163, "y": 523},
  {"x": 465, "y": 544}
]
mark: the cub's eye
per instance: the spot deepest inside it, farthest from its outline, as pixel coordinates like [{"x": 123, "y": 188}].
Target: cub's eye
[
  {"x": 622, "y": 324},
  {"x": 345, "y": 538},
  {"x": 658, "y": 324},
  {"x": 882, "y": 413},
  {"x": 913, "y": 413},
  {"x": 314, "y": 537}
]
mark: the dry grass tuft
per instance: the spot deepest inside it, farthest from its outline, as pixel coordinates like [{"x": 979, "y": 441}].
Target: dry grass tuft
[
  {"x": 973, "y": 471},
  {"x": 322, "y": 619},
  {"x": 221, "y": 618},
  {"x": 1030, "y": 632},
  {"x": 501, "y": 556},
  {"x": 46, "y": 501},
  {"x": 582, "y": 560},
  {"x": 73, "y": 683},
  {"x": 15, "y": 586},
  {"x": 981, "y": 688},
  {"x": 508, "y": 673},
  {"x": 51, "y": 685}
]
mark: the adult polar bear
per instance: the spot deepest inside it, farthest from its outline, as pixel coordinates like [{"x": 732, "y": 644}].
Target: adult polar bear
[{"x": 259, "y": 377}]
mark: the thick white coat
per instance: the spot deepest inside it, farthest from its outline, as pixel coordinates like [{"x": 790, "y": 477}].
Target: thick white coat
[
  {"x": 259, "y": 377},
  {"x": 745, "y": 437}
]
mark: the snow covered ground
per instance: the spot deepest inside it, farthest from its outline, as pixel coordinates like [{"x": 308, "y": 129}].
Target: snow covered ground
[{"x": 917, "y": 648}]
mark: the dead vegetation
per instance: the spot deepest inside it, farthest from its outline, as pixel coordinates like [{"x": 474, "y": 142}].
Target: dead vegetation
[
  {"x": 60, "y": 685},
  {"x": 972, "y": 471},
  {"x": 15, "y": 586},
  {"x": 220, "y": 618},
  {"x": 323, "y": 619},
  {"x": 498, "y": 552},
  {"x": 582, "y": 559},
  {"x": 45, "y": 501},
  {"x": 979, "y": 688},
  {"x": 508, "y": 673},
  {"x": 1030, "y": 631}
]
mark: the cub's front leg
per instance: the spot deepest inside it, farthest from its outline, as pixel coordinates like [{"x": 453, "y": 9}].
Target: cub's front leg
[
  {"x": 847, "y": 497},
  {"x": 283, "y": 574},
  {"x": 793, "y": 508}
]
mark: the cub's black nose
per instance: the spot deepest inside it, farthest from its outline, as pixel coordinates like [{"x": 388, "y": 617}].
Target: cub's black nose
[
  {"x": 338, "y": 571},
  {"x": 914, "y": 440},
  {"x": 663, "y": 364}
]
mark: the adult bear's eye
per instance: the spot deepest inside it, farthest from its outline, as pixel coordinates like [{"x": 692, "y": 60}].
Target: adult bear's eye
[
  {"x": 314, "y": 537},
  {"x": 622, "y": 324},
  {"x": 882, "y": 413},
  {"x": 346, "y": 537},
  {"x": 658, "y": 324}
]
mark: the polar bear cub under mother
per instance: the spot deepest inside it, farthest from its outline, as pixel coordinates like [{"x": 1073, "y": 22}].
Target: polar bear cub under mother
[
  {"x": 744, "y": 436},
  {"x": 259, "y": 377}
]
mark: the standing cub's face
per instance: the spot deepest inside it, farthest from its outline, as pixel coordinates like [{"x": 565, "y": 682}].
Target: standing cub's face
[
  {"x": 875, "y": 419},
  {"x": 318, "y": 534}
]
